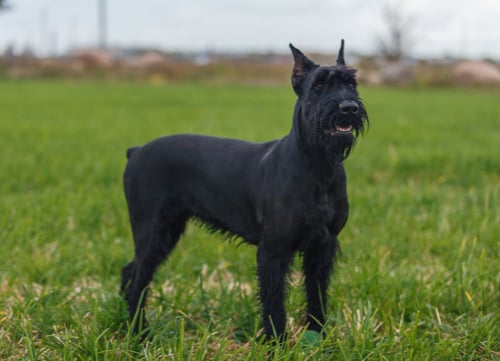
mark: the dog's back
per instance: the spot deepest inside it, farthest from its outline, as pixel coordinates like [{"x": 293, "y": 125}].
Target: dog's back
[
  {"x": 209, "y": 178},
  {"x": 131, "y": 150}
]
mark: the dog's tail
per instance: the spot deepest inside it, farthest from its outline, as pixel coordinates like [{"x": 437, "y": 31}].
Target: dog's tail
[{"x": 131, "y": 150}]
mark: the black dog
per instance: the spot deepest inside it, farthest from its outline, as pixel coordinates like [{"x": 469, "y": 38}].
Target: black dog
[{"x": 284, "y": 196}]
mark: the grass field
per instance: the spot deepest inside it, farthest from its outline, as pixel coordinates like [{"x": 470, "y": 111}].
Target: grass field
[{"x": 418, "y": 279}]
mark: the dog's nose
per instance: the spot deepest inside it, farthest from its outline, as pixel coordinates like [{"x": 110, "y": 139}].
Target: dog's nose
[{"x": 348, "y": 107}]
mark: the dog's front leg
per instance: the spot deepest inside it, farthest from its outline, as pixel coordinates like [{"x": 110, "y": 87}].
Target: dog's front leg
[
  {"x": 317, "y": 265},
  {"x": 272, "y": 267}
]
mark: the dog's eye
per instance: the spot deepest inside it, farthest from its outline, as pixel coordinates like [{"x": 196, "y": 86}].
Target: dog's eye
[{"x": 319, "y": 87}]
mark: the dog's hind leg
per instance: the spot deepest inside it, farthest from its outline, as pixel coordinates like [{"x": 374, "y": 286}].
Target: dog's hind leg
[
  {"x": 155, "y": 233},
  {"x": 318, "y": 261}
]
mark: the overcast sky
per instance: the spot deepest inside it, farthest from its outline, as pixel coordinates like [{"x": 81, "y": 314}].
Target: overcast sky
[{"x": 443, "y": 27}]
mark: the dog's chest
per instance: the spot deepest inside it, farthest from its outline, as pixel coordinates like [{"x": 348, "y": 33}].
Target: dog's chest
[
  {"x": 318, "y": 223},
  {"x": 320, "y": 211}
]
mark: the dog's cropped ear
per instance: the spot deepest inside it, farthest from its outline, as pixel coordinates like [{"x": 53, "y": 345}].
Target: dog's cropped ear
[
  {"x": 340, "y": 57},
  {"x": 301, "y": 68}
]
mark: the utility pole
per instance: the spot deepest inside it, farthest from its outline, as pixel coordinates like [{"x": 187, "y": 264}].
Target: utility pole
[
  {"x": 43, "y": 19},
  {"x": 102, "y": 23}
]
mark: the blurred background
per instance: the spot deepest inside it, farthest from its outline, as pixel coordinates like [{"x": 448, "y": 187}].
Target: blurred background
[{"x": 425, "y": 43}]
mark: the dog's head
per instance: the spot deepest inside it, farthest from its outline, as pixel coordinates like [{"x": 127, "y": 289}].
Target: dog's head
[{"x": 331, "y": 114}]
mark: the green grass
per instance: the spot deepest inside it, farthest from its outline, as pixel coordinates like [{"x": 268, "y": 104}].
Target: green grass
[{"x": 419, "y": 276}]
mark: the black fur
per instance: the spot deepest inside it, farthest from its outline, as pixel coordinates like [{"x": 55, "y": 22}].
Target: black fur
[{"x": 284, "y": 196}]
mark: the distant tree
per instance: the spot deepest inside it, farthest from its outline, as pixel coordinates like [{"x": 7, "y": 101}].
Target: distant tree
[
  {"x": 400, "y": 25},
  {"x": 4, "y": 5}
]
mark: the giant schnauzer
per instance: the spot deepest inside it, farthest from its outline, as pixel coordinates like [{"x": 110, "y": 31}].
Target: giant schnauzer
[{"x": 284, "y": 196}]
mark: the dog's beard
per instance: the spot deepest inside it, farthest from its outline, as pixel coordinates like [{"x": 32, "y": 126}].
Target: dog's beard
[
  {"x": 338, "y": 146},
  {"x": 333, "y": 143},
  {"x": 337, "y": 135},
  {"x": 331, "y": 133}
]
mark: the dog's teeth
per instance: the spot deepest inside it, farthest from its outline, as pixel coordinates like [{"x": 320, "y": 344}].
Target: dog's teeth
[{"x": 344, "y": 129}]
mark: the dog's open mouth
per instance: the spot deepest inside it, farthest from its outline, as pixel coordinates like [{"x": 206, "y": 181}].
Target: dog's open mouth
[{"x": 339, "y": 130}]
